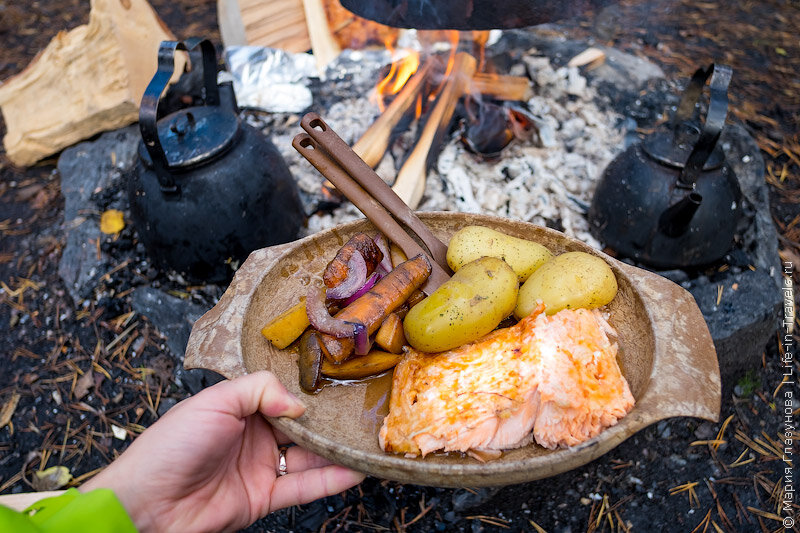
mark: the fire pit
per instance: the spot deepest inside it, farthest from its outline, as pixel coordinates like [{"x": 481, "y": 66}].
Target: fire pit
[{"x": 649, "y": 475}]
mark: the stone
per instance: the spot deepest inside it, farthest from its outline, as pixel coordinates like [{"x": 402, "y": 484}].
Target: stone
[
  {"x": 173, "y": 317},
  {"x": 86, "y": 169},
  {"x": 467, "y": 499},
  {"x": 742, "y": 322}
]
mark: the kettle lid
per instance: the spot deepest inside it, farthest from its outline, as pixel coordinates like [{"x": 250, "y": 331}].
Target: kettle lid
[
  {"x": 194, "y": 135},
  {"x": 674, "y": 146}
]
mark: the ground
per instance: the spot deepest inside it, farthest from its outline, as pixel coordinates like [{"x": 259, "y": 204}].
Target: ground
[{"x": 75, "y": 371}]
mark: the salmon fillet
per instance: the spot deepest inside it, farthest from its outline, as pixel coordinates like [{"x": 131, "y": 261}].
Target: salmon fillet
[{"x": 553, "y": 379}]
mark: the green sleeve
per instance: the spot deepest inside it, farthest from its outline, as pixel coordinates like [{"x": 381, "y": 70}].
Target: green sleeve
[{"x": 98, "y": 511}]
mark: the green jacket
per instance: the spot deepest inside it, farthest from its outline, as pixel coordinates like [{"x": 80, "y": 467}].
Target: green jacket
[{"x": 98, "y": 511}]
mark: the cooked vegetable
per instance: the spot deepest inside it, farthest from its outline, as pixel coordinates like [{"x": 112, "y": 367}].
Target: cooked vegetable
[
  {"x": 310, "y": 360},
  {"x": 374, "y": 306},
  {"x": 356, "y": 276},
  {"x": 382, "y": 243},
  {"x": 472, "y": 242},
  {"x": 390, "y": 336},
  {"x": 373, "y": 363},
  {"x": 286, "y": 327},
  {"x": 320, "y": 318},
  {"x": 466, "y": 307},
  {"x": 374, "y": 278},
  {"x": 354, "y": 261},
  {"x": 398, "y": 256},
  {"x": 568, "y": 281}
]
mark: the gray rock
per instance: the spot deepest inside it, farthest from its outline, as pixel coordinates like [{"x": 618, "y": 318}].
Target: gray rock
[
  {"x": 165, "y": 405},
  {"x": 85, "y": 169},
  {"x": 743, "y": 321},
  {"x": 172, "y": 316},
  {"x": 627, "y": 72},
  {"x": 467, "y": 499}
]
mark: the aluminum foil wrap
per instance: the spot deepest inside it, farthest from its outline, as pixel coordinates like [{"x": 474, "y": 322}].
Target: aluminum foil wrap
[{"x": 270, "y": 79}]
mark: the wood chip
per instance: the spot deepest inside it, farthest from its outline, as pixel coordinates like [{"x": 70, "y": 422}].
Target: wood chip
[
  {"x": 8, "y": 410},
  {"x": 593, "y": 56}
]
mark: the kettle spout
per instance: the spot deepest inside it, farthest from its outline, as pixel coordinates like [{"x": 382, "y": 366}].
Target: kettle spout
[{"x": 675, "y": 220}]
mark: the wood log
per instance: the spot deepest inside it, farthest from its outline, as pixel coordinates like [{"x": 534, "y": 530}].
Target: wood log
[
  {"x": 501, "y": 86},
  {"x": 271, "y": 23},
  {"x": 323, "y": 45},
  {"x": 88, "y": 80},
  {"x": 410, "y": 182},
  {"x": 591, "y": 58},
  {"x": 372, "y": 145}
]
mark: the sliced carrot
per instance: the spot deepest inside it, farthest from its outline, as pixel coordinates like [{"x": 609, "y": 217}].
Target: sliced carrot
[{"x": 375, "y": 305}]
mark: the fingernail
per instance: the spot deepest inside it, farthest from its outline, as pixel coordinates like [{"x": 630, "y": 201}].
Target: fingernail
[{"x": 297, "y": 401}]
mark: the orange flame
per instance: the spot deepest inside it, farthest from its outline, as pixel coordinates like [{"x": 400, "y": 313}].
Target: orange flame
[{"x": 399, "y": 73}]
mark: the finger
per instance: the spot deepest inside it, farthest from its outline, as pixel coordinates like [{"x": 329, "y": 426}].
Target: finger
[
  {"x": 258, "y": 392},
  {"x": 299, "y": 459},
  {"x": 303, "y": 487},
  {"x": 281, "y": 438}
]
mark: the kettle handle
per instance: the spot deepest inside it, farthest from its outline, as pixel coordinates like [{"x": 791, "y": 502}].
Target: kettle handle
[
  {"x": 148, "y": 110},
  {"x": 715, "y": 117}
]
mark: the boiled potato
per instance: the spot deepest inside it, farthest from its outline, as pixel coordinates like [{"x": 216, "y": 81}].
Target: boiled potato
[
  {"x": 568, "y": 281},
  {"x": 472, "y": 242},
  {"x": 466, "y": 307}
]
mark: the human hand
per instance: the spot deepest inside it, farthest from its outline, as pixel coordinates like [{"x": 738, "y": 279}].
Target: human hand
[{"x": 211, "y": 462}]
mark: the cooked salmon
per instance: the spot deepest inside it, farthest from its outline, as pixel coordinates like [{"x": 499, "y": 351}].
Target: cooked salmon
[{"x": 554, "y": 379}]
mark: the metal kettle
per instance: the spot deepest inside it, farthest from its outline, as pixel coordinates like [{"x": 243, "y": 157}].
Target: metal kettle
[
  {"x": 672, "y": 201},
  {"x": 208, "y": 188}
]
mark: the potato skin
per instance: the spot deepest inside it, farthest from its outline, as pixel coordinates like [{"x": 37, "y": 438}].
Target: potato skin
[
  {"x": 465, "y": 308},
  {"x": 568, "y": 281},
  {"x": 471, "y": 242}
]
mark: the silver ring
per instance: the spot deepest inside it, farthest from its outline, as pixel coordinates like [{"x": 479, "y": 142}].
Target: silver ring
[{"x": 282, "y": 461}]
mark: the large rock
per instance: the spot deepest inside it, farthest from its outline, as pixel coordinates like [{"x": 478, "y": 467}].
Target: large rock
[{"x": 87, "y": 169}]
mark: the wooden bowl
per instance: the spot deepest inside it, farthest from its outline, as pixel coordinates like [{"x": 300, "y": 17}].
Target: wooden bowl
[{"x": 666, "y": 353}]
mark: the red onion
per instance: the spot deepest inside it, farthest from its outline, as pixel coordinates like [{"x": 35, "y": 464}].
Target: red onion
[
  {"x": 383, "y": 246},
  {"x": 361, "y": 338},
  {"x": 374, "y": 278},
  {"x": 325, "y": 323},
  {"x": 322, "y": 320},
  {"x": 356, "y": 276}
]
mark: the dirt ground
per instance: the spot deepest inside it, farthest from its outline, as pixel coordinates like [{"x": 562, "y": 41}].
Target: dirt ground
[{"x": 75, "y": 370}]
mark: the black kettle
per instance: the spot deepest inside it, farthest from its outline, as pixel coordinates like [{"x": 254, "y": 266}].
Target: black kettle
[
  {"x": 672, "y": 201},
  {"x": 208, "y": 189}
]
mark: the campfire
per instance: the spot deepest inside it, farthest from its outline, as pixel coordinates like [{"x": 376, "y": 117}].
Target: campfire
[
  {"x": 425, "y": 87},
  {"x": 516, "y": 123}
]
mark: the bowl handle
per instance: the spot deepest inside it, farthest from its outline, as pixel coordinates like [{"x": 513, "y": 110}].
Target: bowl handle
[
  {"x": 215, "y": 342},
  {"x": 685, "y": 379}
]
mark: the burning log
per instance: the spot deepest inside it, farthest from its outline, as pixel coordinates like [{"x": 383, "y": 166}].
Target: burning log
[
  {"x": 410, "y": 182},
  {"x": 501, "y": 87},
  {"x": 372, "y": 145}
]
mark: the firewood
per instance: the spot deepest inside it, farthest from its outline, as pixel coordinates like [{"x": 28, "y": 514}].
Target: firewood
[
  {"x": 410, "y": 182},
  {"x": 323, "y": 45},
  {"x": 502, "y": 87},
  {"x": 271, "y": 23},
  {"x": 85, "y": 81},
  {"x": 372, "y": 145},
  {"x": 592, "y": 57}
]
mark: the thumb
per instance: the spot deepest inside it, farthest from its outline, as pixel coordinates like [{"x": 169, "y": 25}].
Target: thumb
[{"x": 260, "y": 392}]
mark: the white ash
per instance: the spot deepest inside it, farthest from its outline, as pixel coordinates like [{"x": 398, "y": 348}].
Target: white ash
[{"x": 549, "y": 182}]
